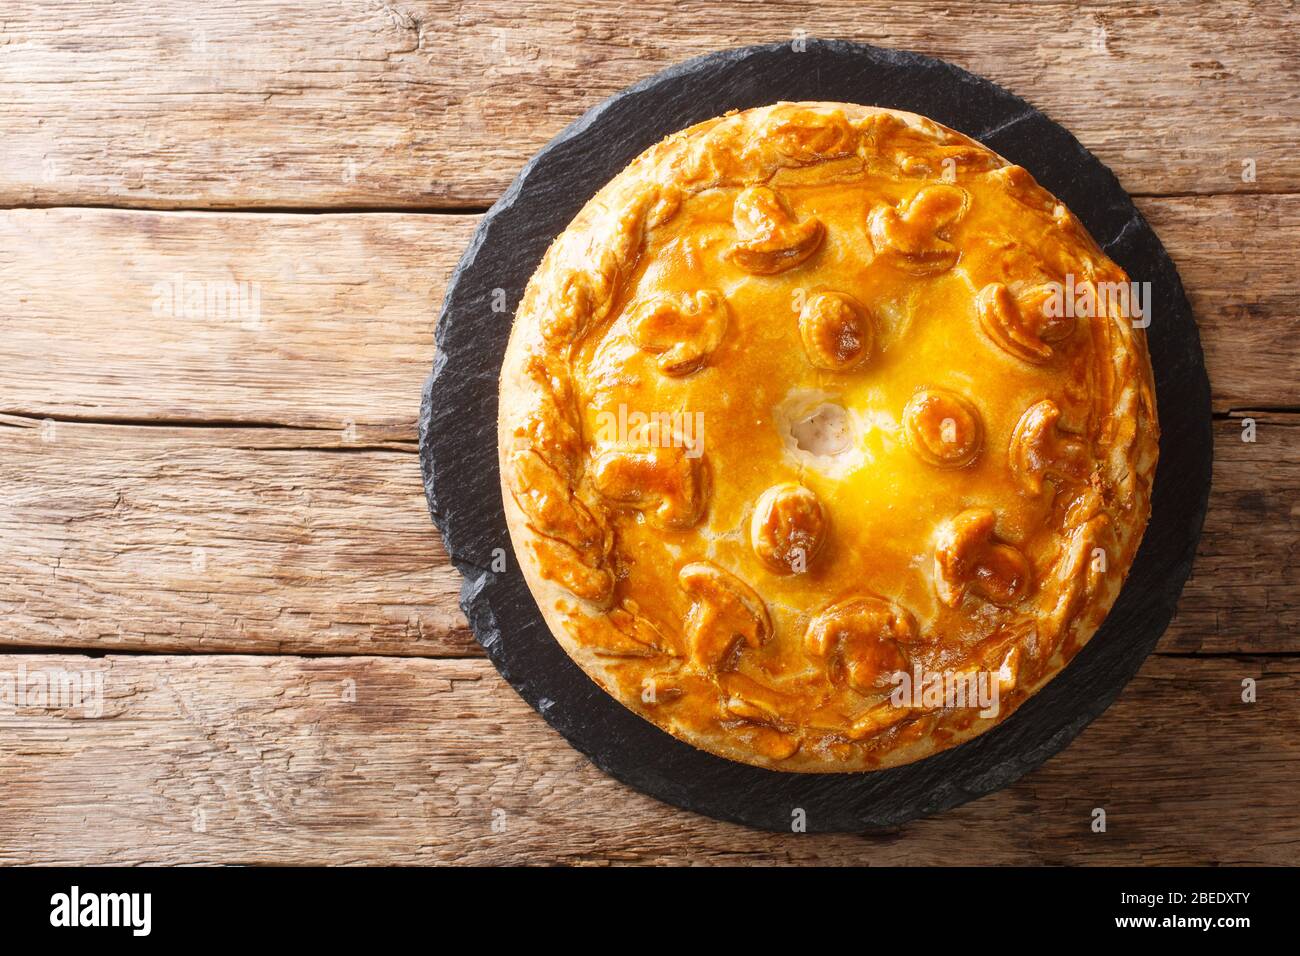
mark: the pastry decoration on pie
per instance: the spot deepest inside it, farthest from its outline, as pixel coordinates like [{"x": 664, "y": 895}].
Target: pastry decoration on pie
[{"x": 794, "y": 417}]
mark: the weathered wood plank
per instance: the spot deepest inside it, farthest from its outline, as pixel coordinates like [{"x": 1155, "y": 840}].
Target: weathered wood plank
[
  {"x": 209, "y": 539},
  {"x": 299, "y": 541},
  {"x": 367, "y": 103},
  {"x": 343, "y": 330},
  {"x": 334, "y": 327},
  {"x": 1244, "y": 593},
  {"x": 1232, "y": 254},
  {"x": 364, "y": 760}
]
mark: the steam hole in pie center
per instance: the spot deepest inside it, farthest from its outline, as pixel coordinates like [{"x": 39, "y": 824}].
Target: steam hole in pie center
[{"x": 824, "y": 431}]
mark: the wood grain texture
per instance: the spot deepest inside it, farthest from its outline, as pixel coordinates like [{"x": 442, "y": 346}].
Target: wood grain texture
[
  {"x": 1244, "y": 592},
  {"x": 365, "y": 760},
  {"x": 213, "y": 539},
  {"x": 417, "y": 104},
  {"x": 1233, "y": 255},
  {"x": 338, "y": 327},
  {"x": 347, "y": 305},
  {"x": 276, "y": 540}
]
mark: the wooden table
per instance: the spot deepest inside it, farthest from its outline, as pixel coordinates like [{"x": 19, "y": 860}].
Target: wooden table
[{"x": 218, "y": 513}]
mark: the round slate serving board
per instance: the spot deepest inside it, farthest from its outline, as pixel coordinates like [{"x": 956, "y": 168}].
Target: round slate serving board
[{"x": 458, "y": 435}]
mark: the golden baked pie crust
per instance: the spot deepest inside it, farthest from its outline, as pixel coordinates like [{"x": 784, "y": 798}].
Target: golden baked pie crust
[{"x": 784, "y": 414}]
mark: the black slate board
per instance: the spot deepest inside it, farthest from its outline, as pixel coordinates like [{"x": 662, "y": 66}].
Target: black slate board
[{"x": 458, "y": 434}]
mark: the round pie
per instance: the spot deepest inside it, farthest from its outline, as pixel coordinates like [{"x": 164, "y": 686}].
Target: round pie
[{"x": 826, "y": 436}]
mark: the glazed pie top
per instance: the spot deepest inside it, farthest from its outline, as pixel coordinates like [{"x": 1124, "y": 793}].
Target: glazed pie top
[{"x": 811, "y": 397}]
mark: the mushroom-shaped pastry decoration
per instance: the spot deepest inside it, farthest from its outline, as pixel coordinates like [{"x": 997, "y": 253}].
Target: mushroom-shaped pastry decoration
[
  {"x": 771, "y": 240},
  {"x": 859, "y": 641},
  {"x": 788, "y": 528},
  {"x": 657, "y": 474},
  {"x": 683, "y": 329},
  {"x": 725, "y": 615},
  {"x": 913, "y": 236},
  {"x": 836, "y": 330},
  {"x": 942, "y": 428},
  {"x": 1040, "y": 449},
  {"x": 1023, "y": 325},
  {"x": 970, "y": 558}
]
